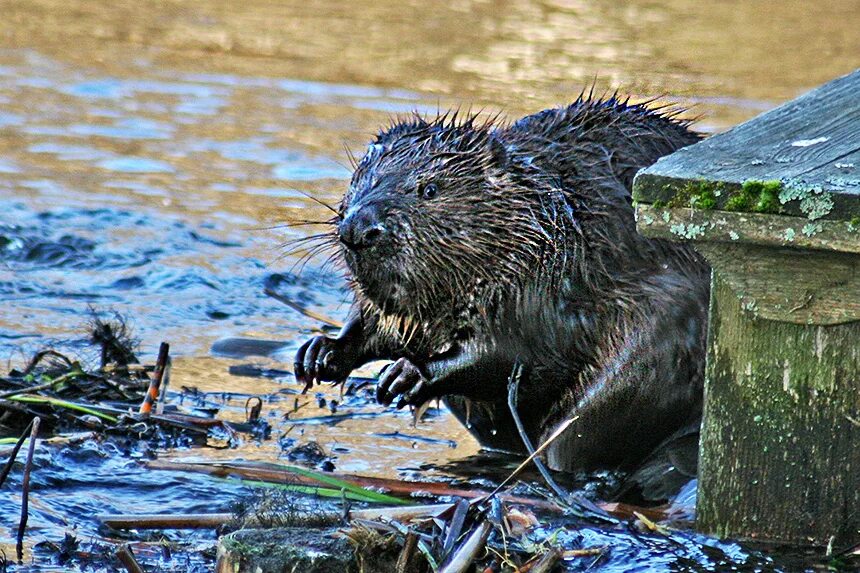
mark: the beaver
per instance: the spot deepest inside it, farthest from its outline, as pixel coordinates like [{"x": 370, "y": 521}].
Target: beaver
[{"x": 474, "y": 245}]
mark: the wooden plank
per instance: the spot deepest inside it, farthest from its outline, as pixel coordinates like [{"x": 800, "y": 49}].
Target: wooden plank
[
  {"x": 779, "y": 456},
  {"x": 749, "y": 228},
  {"x": 814, "y": 287},
  {"x": 841, "y": 174},
  {"x": 812, "y": 142},
  {"x": 817, "y": 270},
  {"x": 778, "y": 453}
]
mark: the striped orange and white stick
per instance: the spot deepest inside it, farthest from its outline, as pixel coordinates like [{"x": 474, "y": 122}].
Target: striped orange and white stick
[{"x": 155, "y": 381}]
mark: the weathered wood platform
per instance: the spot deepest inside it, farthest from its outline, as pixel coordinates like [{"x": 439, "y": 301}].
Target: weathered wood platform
[
  {"x": 811, "y": 143},
  {"x": 774, "y": 206}
]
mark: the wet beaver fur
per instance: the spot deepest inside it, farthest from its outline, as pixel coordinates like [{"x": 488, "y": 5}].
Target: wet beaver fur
[{"x": 471, "y": 245}]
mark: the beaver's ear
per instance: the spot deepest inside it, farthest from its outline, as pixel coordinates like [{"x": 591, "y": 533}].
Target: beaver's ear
[{"x": 498, "y": 152}]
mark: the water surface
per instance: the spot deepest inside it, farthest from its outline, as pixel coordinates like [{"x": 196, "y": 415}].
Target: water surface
[{"x": 150, "y": 152}]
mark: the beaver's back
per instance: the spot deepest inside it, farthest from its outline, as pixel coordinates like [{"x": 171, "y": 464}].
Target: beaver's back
[
  {"x": 622, "y": 344},
  {"x": 592, "y": 133},
  {"x": 592, "y": 149}
]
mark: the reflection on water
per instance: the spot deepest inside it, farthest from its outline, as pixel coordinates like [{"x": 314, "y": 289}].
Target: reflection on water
[{"x": 150, "y": 151}]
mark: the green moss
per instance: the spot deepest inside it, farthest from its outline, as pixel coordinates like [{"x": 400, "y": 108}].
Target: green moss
[
  {"x": 696, "y": 194},
  {"x": 704, "y": 200},
  {"x": 739, "y": 202},
  {"x": 773, "y": 186},
  {"x": 768, "y": 199},
  {"x": 291, "y": 549},
  {"x": 854, "y": 223},
  {"x": 756, "y": 196},
  {"x": 658, "y": 204}
]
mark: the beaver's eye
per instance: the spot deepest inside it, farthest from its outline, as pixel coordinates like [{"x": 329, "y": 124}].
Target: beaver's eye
[{"x": 428, "y": 190}]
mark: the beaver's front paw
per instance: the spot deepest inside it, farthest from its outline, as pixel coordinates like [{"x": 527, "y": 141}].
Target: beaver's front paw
[
  {"x": 323, "y": 359},
  {"x": 404, "y": 379}
]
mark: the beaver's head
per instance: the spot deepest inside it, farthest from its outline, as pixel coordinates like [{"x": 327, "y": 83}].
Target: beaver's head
[{"x": 435, "y": 208}]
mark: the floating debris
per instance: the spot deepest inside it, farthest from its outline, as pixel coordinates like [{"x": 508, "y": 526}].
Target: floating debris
[{"x": 120, "y": 396}]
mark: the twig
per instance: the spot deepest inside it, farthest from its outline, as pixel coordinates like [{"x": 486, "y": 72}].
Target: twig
[
  {"x": 423, "y": 547},
  {"x": 40, "y": 355},
  {"x": 126, "y": 557},
  {"x": 25, "y": 489},
  {"x": 280, "y": 474},
  {"x": 547, "y": 562},
  {"x": 165, "y": 384},
  {"x": 571, "y": 553},
  {"x": 252, "y": 413},
  {"x": 564, "y": 425},
  {"x": 513, "y": 389},
  {"x": 215, "y": 520},
  {"x": 27, "y": 390},
  {"x": 456, "y": 525},
  {"x": 401, "y": 514},
  {"x": 155, "y": 382},
  {"x": 299, "y": 308},
  {"x": 14, "y": 453},
  {"x": 584, "y": 507},
  {"x": 466, "y": 554},
  {"x": 406, "y": 557},
  {"x": 650, "y": 524},
  {"x": 65, "y": 404},
  {"x": 166, "y": 521},
  {"x": 43, "y": 386}
]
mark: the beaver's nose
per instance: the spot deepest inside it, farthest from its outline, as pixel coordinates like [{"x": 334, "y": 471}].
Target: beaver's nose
[{"x": 361, "y": 228}]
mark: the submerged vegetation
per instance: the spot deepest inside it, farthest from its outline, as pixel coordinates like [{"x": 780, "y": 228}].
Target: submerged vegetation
[{"x": 114, "y": 397}]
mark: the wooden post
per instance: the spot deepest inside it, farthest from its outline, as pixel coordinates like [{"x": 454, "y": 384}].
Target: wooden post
[{"x": 774, "y": 206}]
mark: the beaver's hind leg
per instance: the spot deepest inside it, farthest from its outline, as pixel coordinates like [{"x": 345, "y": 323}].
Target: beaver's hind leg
[{"x": 647, "y": 385}]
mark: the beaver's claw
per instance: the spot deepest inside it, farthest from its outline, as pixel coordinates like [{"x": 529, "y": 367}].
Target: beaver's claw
[
  {"x": 322, "y": 359},
  {"x": 404, "y": 379}
]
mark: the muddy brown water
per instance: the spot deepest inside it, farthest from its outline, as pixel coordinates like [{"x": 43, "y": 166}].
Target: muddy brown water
[{"x": 149, "y": 151}]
